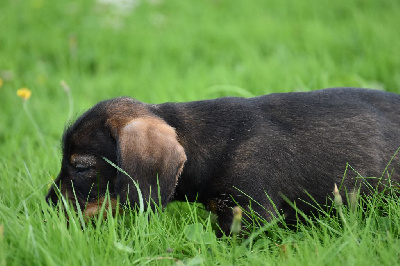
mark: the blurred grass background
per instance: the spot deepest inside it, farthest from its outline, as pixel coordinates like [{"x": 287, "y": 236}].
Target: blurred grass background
[
  {"x": 171, "y": 50},
  {"x": 160, "y": 50}
]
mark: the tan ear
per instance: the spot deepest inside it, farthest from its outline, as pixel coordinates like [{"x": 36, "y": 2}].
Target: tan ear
[{"x": 148, "y": 150}]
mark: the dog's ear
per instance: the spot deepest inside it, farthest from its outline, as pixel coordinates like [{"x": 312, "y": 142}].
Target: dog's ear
[{"x": 148, "y": 150}]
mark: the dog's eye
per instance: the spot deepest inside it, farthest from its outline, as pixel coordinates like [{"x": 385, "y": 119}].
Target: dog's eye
[{"x": 80, "y": 168}]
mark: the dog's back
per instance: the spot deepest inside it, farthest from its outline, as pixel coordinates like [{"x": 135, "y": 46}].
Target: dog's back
[{"x": 290, "y": 144}]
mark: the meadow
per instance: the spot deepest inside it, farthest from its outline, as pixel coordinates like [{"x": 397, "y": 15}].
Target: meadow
[{"x": 72, "y": 54}]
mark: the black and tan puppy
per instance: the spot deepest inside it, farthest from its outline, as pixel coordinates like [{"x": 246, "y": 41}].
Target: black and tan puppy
[{"x": 290, "y": 144}]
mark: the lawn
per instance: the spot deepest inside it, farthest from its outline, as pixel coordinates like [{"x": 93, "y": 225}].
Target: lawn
[{"x": 72, "y": 54}]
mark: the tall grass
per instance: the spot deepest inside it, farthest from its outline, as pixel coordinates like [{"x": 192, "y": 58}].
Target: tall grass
[{"x": 179, "y": 51}]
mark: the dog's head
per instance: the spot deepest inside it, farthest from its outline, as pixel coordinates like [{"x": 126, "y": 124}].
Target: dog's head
[{"x": 128, "y": 134}]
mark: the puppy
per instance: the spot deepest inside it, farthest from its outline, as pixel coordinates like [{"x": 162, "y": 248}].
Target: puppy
[{"x": 232, "y": 151}]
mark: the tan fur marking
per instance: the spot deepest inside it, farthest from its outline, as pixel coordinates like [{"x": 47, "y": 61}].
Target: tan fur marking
[
  {"x": 121, "y": 113},
  {"x": 73, "y": 158},
  {"x": 152, "y": 145},
  {"x": 93, "y": 208},
  {"x": 151, "y": 130},
  {"x": 83, "y": 159},
  {"x": 213, "y": 206},
  {"x": 158, "y": 138}
]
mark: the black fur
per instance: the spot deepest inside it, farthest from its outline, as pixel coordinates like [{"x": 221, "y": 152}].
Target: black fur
[{"x": 277, "y": 144}]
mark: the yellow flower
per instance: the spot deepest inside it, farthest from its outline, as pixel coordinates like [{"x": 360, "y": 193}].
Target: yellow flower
[
  {"x": 24, "y": 93},
  {"x": 1, "y": 82}
]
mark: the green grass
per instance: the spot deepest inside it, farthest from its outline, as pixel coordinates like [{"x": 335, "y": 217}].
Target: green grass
[{"x": 180, "y": 51}]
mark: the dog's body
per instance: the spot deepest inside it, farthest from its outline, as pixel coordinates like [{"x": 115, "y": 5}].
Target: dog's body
[{"x": 290, "y": 144}]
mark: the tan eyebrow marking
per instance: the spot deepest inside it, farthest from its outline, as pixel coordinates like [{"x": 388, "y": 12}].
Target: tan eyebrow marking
[{"x": 84, "y": 159}]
